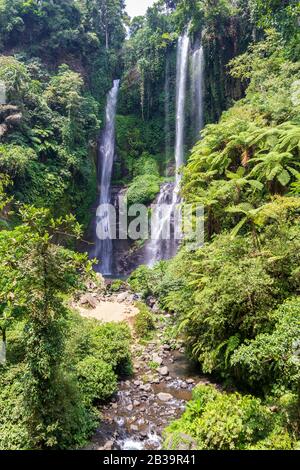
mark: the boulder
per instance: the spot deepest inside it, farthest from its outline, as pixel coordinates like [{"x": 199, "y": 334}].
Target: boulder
[
  {"x": 151, "y": 301},
  {"x": 190, "y": 381},
  {"x": 164, "y": 371},
  {"x": 88, "y": 300},
  {"x": 155, "y": 308},
  {"x": 158, "y": 360},
  {"x": 165, "y": 397},
  {"x": 122, "y": 297}
]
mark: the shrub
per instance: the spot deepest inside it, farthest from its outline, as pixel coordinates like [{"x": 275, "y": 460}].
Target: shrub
[
  {"x": 146, "y": 281},
  {"x": 13, "y": 432},
  {"x": 15, "y": 160},
  {"x": 143, "y": 189},
  {"x": 97, "y": 379},
  {"x": 110, "y": 342},
  {"x": 273, "y": 357},
  {"x": 144, "y": 321},
  {"x": 220, "y": 421},
  {"x": 145, "y": 165},
  {"x": 226, "y": 292},
  {"x": 116, "y": 286},
  {"x": 72, "y": 421}
]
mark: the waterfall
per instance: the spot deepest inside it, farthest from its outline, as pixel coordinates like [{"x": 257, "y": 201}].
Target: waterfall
[
  {"x": 104, "y": 243},
  {"x": 163, "y": 243},
  {"x": 197, "y": 90},
  {"x": 182, "y": 68}
]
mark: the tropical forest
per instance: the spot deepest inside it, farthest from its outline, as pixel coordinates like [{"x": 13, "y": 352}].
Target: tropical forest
[{"x": 149, "y": 225}]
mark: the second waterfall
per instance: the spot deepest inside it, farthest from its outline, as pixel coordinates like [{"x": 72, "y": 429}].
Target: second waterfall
[{"x": 165, "y": 235}]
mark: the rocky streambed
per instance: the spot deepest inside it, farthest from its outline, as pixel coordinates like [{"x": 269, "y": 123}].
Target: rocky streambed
[{"x": 146, "y": 403}]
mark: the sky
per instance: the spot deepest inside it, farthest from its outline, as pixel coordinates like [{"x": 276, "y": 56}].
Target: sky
[{"x": 137, "y": 7}]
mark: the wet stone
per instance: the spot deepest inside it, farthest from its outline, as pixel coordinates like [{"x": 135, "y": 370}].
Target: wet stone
[{"x": 165, "y": 397}]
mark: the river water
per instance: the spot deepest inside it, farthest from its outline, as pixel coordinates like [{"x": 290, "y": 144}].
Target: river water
[{"x": 137, "y": 416}]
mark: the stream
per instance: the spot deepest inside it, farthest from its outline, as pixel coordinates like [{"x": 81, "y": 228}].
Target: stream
[{"x": 151, "y": 399}]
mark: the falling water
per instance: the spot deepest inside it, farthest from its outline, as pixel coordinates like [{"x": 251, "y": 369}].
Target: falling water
[
  {"x": 104, "y": 244},
  {"x": 165, "y": 216},
  {"x": 168, "y": 139},
  {"x": 182, "y": 68},
  {"x": 162, "y": 244},
  {"x": 197, "y": 90}
]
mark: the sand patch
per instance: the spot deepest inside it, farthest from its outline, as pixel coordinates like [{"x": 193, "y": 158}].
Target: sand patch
[{"x": 110, "y": 312}]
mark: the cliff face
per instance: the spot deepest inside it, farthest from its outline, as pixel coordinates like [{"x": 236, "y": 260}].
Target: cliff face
[{"x": 222, "y": 42}]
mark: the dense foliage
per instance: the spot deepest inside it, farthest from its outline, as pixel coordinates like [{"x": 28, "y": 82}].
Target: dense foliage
[
  {"x": 234, "y": 301},
  {"x": 217, "y": 421},
  {"x": 56, "y": 65}
]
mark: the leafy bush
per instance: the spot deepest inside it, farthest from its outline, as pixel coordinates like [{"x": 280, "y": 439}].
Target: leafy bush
[
  {"x": 116, "y": 286},
  {"x": 143, "y": 189},
  {"x": 110, "y": 342},
  {"x": 15, "y": 160},
  {"x": 220, "y": 421},
  {"x": 97, "y": 379},
  {"x": 13, "y": 431},
  {"x": 144, "y": 321},
  {"x": 145, "y": 280},
  {"x": 273, "y": 357},
  {"x": 145, "y": 165},
  {"x": 72, "y": 421},
  {"x": 226, "y": 292}
]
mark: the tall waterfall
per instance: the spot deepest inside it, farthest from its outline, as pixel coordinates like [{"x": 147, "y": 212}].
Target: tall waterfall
[
  {"x": 197, "y": 90},
  {"x": 182, "y": 68},
  {"x": 163, "y": 243},
  {"x": 104, "y": 244}
]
